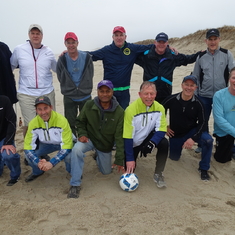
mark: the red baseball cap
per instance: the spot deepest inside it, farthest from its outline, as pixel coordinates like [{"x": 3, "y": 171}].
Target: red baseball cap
[
  {"x": 119, "y": 29},
  {"x": 70, "y": 35}
]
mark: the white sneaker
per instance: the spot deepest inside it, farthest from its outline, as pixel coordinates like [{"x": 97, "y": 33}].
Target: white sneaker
[{"x": 159, "y": 180}]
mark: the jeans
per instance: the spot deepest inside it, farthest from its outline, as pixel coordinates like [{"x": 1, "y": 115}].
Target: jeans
[
  {"x": 12, "y": 161},
  {"x": 207, "y": 104},
  {"x": 123, "y": 98},
  {"x": 207, "y": 144},
  {"x": 75, "y": 161},
  {"x": 43, "y": 149},
  {"x": 71, "y": 111}
]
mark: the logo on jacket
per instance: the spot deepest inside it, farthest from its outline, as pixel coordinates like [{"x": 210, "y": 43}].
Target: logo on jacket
[{"x": 126, "y": 51}]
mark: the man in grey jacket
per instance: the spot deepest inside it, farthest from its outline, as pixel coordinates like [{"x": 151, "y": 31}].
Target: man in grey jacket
[
  {"x": 212, "y": 71},
  {"x": 75, "y": 73}
]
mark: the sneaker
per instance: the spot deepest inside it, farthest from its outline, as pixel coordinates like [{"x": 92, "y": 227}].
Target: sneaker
[
  {"x": 74, "y": 192},
  {"x": 12, "y": 182},
  {"x": 32, "y": 177},
  {"x": 198, "y": 150},
  {"x": 159, "y": 180},
  {"x": 204, "y": 175}
]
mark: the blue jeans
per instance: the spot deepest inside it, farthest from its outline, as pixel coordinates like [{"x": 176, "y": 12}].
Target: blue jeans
[
  {"x": 12, "y": 161},
  {"x": 43, "y": 149},
  {"x": 207, "y": 144},
  {"x": 75, "y": 161},
  {"x": 123, "y": 98}
]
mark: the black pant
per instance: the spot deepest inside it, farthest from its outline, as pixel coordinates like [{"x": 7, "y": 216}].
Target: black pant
[
  {"x": 162, "y": 152},
  {"x": 224, "y": 148}
]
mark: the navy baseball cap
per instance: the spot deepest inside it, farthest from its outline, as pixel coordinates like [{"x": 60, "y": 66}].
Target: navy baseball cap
[
  {"x": 107, "y": 83},
  {"x": 212, "y": 32},
  {"x": 161, "y": 37},
  {"x": 190, "y": 77}
]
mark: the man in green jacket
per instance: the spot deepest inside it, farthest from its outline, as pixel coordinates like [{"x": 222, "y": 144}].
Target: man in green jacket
[{"x": 99, "y": 126}]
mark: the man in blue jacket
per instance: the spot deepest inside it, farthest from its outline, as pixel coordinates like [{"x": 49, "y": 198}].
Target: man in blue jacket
[
  {"x": 159, "y": 64},
  {"x": 118, "y": 60}
]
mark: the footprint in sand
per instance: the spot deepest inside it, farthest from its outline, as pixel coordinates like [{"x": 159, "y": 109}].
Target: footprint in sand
[
  {"x": 59, "y": 224},
  {"x": 106, "y": 211}
]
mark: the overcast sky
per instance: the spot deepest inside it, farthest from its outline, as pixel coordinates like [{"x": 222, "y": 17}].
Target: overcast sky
[{"x": 93, "y": 20}]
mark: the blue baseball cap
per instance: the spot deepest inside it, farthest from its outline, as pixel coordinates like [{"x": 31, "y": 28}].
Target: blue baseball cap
[
  {"x": 190, "y": 77},
  {"x": 107, "y": 83},
  {"x": 161, "y": 37}
]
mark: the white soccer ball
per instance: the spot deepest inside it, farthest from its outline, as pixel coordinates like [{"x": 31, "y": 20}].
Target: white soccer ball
[{"x": 129, "y": 182}]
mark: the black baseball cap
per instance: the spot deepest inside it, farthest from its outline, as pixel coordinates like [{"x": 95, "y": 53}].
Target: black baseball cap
[
  {"x": 42, "y": 100},
  {"x": 212, "y": 32}
]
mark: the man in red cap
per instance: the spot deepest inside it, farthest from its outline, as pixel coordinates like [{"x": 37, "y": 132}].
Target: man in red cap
[
  {"x": 75, "y": 73},
  {"x": 118, "y": 60}
]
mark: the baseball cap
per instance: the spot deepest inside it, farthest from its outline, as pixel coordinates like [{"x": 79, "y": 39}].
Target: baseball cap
[
  {"x": 190, "y": 77},
  {"x": 70, "y": 35},
  {"x": 119, "y": 29},
  {"x": 35, "y": 26},
  {"x": 107, "y": 83},
  {"x": 42, "y": 100},
  {"x": 212, "y": 32},
  {"x": 161, "y": 37}
]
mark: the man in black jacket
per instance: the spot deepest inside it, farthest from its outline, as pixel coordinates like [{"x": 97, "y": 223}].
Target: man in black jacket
[
  {"x": 159, "y": 63},
  {"x": 187, "y": 124}
]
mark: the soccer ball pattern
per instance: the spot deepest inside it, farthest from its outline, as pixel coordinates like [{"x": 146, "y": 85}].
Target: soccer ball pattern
[{"x": 129, "y": 182}]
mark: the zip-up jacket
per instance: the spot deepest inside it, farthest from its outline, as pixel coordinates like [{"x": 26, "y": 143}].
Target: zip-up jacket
[
  {"x": 118, "y": 62},
  {"x": 56, "y": 132},
  {"x": 103, "y": 127},
  {"x": 35, "y": 76},
  {"x": 68, "y": 87},
  {"x": 159, "y": 68},
  {"x": 185, "y": 115},
  {"x": 139, "y": 122},
  {"x": 212, "y": 71},
  {"x": 7, "y": 121}
]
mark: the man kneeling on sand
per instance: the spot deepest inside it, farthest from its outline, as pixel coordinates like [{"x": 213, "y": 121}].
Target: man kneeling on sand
[
  {"x": 99, "y": 126},
  {"x": 49, "y": 131}
]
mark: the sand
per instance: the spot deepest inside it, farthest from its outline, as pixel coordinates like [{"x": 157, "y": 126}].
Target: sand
[{"x": 187, "y": 206}]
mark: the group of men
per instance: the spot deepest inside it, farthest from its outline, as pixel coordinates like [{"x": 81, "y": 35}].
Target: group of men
[{"x": 108, "y": 119}]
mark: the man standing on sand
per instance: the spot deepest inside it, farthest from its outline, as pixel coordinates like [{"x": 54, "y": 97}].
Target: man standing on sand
[
  {"x": 212, "y": 72},
  {"x": 99, "y": 126},
  {"x": 118, "y": 60},
  {"x": 224, "y": 120},
  {"x": 35, "y": 62},
  {"x": 8, "y": 154},
  {"x": 187, "y": 124},
  {"x": 48, "y": 132},
  {"x": 75, "y": 73},
  {"x": 159, "y": 64},
  {"x": 144, "y": 130}
]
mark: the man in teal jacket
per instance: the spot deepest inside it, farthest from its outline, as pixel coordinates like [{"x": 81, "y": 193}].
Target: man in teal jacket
[{"x": 99, "y": 126}]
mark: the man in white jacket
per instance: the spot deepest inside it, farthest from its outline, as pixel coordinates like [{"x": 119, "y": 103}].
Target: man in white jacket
[{"x": 35, "y": 62}]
